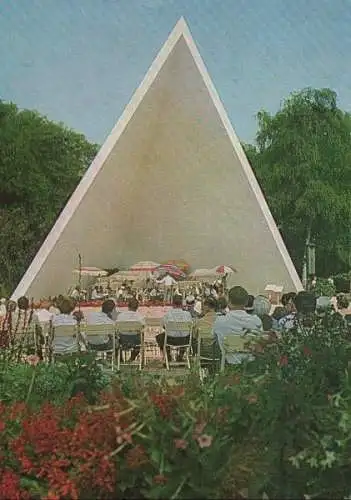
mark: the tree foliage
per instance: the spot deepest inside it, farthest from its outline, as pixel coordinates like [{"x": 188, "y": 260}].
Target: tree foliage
[
  {"x": 302, "y": 159},
  {"x": 41, "y": 163}
]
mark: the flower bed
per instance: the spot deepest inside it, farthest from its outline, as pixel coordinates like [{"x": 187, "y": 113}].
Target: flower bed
[{"x": 278, "y": 427}]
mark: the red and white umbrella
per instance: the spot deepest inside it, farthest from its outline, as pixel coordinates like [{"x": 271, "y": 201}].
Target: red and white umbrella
[
  {"x": 171, "y": 269},
  {"x": 144, "y": 266},
  {"x": 224, "y": 269}
]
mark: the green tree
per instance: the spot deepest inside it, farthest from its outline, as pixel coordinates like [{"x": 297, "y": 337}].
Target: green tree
[
  {"x": 302, "y": 159},
  {"x": 41, "y": 163}
]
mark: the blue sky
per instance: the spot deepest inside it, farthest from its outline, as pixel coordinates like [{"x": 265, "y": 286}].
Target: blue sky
[{"x": 79, "y": 61}]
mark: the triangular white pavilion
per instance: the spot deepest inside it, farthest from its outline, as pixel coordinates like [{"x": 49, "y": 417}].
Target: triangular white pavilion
[{"x": 171, "y": 181}]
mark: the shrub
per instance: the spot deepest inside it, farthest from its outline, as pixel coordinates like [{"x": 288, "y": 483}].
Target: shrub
[
  {"x": 53, "y": 382},
  {"x": 276, "y": 427}
]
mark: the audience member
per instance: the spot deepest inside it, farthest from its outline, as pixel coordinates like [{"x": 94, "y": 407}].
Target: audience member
[
  {"x": 305, "y": 311},
  {"x": 236, "y": 322},
  {"x": 222, "y": 306},
  {"x": 278, "y": 313},
  {"x": 206, "y": 322},
  {"x": 174, "y": 337},
  {"x": 343, "y": 304},
  {"x": 249, "y": 306},
  {"x": 288, "y": 320},
  {"x": 132, "y": 315},
  {"x": 64, "y": 345},
  {"x": 262, "y": 308},
  {"x": 103, "y": 317}
]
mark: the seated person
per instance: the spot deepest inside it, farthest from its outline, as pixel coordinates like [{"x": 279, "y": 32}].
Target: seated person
[
  {"x": 95, "y": 294},
  {"x": 174, "y": 338},
  {"x": 206, "y": 322},
  {"x": 237, "y": 321},
  {"x": 288, "y": 320},
  {"x": 190, "y": 305},
  {"x": 132, "y": 315},
  {"x": 278, "y": 313},
  {"x": 103, "y": 317},
  {"x": 64, "y": 345},
  {"x": 305, "y": 316},
  {"x": 249, "y": 306},
  {"x": 198, "y": 312},
  {"x": 222, "y": 305},
  {"x": 343, "y": 304},
  {"x": 262, "y": 308},
  {"x": 204, "y": 329}
]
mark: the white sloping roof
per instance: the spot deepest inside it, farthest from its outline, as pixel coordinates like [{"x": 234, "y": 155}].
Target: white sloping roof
[{"x": 171, "y": 180}]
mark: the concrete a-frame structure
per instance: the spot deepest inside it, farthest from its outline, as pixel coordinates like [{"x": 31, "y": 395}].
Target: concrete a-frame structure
[{"x": 171, "y": 181}]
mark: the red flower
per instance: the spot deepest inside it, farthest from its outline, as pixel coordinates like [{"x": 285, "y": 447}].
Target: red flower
[
  {"x": 10, "y": 486},
  {"x": 180, "y": 444},
  {"x": 2, "y": 426},
  {"x": 160, "y": 479},
  {"x": 32, "y": 359},
  {"x": 307, "y": 351},
  {"x": 283, "y": 361}
]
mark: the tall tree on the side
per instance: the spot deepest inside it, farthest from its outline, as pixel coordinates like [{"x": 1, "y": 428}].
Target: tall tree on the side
[
  {"x": 41, "y": 163},
  {"x": 302, "y": 160}
]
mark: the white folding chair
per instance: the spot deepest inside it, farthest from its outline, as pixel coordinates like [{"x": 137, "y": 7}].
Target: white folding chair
[
  {"x": 186, "y": 329},
  {"x": 133, "y": 329},
  {"x": 61, "y": 333},
  {"x": 153, "y": 328},
  {"x": 94, "y": 333},
  {"x": 236, "y": 343}
]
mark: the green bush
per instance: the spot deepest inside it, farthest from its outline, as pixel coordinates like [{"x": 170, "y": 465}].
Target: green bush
[
  {"x": 324, "y": 288},
  {"x": 276, "y": 427},
  {"x": 52, "y": 382}
]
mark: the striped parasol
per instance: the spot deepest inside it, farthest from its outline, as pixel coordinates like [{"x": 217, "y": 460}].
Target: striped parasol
[
  {"x": 224, "y": 269},
  {"x": 171, "y": 269},
  {"x": 144, "y": 266},
  {"x": 181, "y": 263}
]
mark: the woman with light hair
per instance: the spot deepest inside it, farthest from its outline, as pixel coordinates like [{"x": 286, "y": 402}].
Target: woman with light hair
[
  {"x": 342, "y": 303},
  {"x": 262, "y": 308}
]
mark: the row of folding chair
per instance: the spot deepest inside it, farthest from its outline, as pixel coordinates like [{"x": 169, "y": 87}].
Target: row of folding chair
[{"x": 85, "y": 338}]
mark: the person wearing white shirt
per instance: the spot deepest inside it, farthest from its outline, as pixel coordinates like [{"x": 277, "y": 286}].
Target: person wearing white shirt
[
  {"x": 168, "y": 282},
  {"x": 103, "y": 317},
  {"x": 95, "y": 295},
  {"x": 237, "y": 321},
  {"x": 64, "y": 345},
  {"x": 198, "y": 306},
  {"x": 130, "y": 340},
  {"x": 175, "y": 338}
]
